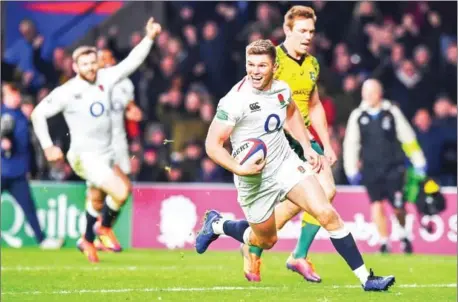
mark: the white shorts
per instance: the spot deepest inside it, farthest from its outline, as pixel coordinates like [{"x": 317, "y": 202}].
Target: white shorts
[
  {"x": 259, "y": 198},
  {"x": 122, "y": 159},
  {"x": 94, "y": 168}
]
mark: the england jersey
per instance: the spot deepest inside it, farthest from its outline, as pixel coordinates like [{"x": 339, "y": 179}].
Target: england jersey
[
  {"x": 258, "y": 114},
  {"x": 87, "y": 107},
  {"x": 122, "y": 94}
]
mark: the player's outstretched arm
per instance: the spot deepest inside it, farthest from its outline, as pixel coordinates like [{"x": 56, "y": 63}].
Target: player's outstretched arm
[
  {"x": 296, "y": 125},
  {"x": 319, "y": 123},
  {"x": 136, "y": 57},
  {"x": 48, "y": 107}
]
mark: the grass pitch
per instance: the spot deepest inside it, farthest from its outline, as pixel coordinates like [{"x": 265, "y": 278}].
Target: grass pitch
[{"x": 146, "y": 275}]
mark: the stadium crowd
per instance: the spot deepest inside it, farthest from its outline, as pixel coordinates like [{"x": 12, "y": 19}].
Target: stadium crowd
[{"x": 410, "y": 46}]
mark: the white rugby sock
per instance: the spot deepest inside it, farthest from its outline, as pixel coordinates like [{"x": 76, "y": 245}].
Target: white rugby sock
[
  {"x": 112, "y": 204},
  {"x": 246, "y": 236},
  {"x": 90, "y": 209},
  {"x": 362, "y": 273},
  {"x": 402, "y": 232},
  {"x": 218, "y": 226}
]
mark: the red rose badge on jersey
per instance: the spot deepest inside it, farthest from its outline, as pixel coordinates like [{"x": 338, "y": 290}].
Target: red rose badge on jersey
[
  {"x": 101, "y": 87},
  {"x": 281, "y": 99}
]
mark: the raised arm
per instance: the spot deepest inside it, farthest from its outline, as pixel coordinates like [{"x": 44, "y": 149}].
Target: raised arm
[{"x": 138, "y": 54}]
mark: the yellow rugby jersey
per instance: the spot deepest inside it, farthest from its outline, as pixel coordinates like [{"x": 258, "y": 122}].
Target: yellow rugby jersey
[{"x": 301, "y": 76}]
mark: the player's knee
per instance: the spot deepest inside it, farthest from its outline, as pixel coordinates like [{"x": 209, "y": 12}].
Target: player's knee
[
  {"x": 96, "y": 198},
  {"x": 123, "y": 194},
  {"x": 327, "y": 216},
  {"x": 330, "y": 192},
  {"x": 97, "y": 204},
  {"x": 269, "y": 243}
]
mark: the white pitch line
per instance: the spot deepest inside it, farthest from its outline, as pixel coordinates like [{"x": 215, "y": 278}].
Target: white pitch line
[
  {"x": 127, "y": 290},
  {"x": 449, "y": 285},
  {"x": 103, "y": 268},
  {"x": 206, "y": 289}
]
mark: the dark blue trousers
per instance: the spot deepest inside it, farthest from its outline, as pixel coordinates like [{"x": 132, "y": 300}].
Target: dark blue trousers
[{"x": 20, "y": 190}]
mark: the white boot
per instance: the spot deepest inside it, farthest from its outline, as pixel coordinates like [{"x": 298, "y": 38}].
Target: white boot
[{"x": 51, "y": 244}]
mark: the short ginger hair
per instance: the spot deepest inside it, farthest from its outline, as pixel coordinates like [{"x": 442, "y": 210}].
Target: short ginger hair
[
  {"x": 83, "y": 50},
  {"x": 262, "y": 47},
  {"x": 298, "y": 12}
]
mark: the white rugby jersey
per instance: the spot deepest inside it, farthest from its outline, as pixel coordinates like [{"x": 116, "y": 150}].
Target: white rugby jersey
[
  {"x": 122, "y": 94},
  {"x": 258, "y": 114},
  {"x": 87, "y": 106}
]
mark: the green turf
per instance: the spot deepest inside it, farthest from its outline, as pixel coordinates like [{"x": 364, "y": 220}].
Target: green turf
[{"x": 145, "y": 275}]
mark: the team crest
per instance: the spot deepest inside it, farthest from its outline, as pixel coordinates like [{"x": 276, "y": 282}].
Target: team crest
[
  {"x": 281, "y": 99},
  {"x": 301, "y": 169},
  {"x": 386, "y": 123},
  {"x": 101, "y": 87}
]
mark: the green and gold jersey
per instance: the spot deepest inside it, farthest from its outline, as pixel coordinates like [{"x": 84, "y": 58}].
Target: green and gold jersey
[{"x": 301, "y": 76}]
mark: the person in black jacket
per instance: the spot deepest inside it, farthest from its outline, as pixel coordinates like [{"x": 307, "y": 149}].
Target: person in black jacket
[{"x": 378, "y": 134}]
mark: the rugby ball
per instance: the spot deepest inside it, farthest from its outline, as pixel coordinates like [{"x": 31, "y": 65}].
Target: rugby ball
[{"x": 250, "y": 151}]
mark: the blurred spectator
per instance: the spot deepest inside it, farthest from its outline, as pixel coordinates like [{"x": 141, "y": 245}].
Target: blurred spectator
[
  {"x": 151, "y": 169},
  {"x": 175, "y": 173},
  {"x": 190, "y": 125},
  {"x": 209, "y": 171},
  {"x": 433, "y": 139},
  {"x": 410, "y": 90},
  {"x": 347, "y": 100},
  {"x": 38, "y": 162},
  {"x": 193, "y": 153},
  {"x": 448, "y": 77},
  {"x": 21, "y": 55}
]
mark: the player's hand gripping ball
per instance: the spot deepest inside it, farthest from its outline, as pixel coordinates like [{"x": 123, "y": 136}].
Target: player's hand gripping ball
[
  {"x": 250, "y": 155},
  {"x": 152, "y": 28}
]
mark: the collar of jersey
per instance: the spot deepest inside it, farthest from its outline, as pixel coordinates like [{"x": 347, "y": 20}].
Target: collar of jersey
[
  {"x": 300, "y": 61},
  {"x": 385, "y": 105}
]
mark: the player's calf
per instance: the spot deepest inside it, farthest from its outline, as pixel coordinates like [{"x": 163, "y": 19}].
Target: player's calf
[
  {"x": 94, "y": 204},
  {"x": 309, "y": 195}
]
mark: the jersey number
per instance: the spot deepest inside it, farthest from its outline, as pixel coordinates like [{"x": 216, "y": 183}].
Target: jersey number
[{"x": 272, "y": 126}]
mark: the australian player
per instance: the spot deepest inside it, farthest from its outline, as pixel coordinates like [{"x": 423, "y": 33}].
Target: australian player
[
  {"x": 85, "y": 102},
  {"x": 301, "y": 71},
  {"x": 122, "y": 105},
  {"x": 281, "y": 175}
]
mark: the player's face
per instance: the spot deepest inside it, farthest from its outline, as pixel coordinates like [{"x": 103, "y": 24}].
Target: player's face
[
  {"x": 106, "y": 59},
  {"x": 260, "y": 70},
  {"x": 372, "y": 94},
  {"x": 87, "y": 66},
  {"x": 301, "y": 35}
]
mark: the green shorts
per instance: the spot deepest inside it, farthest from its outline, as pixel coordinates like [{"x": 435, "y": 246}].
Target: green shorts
[{"x": 297, "y": 148}]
